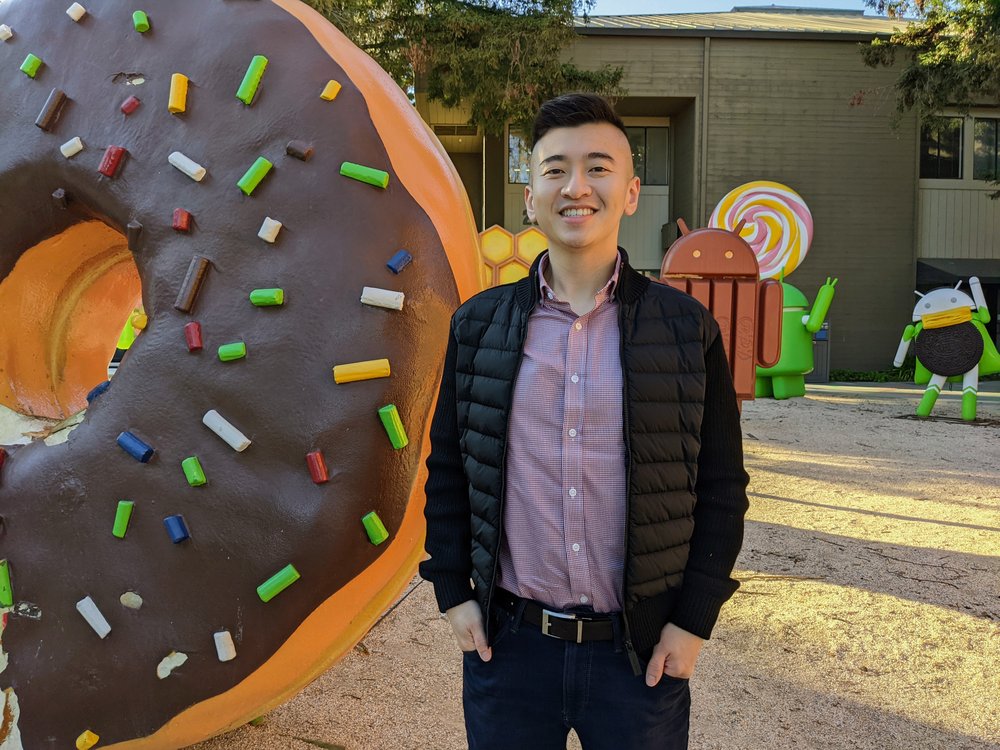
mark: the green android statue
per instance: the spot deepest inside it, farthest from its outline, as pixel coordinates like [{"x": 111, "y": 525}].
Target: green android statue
[{"x": 786, "y": 379}]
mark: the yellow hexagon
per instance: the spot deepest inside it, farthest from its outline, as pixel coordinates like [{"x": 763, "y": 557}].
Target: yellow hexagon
[
  {"x": 514, "y": 270},
  {"x": 497, "y": 245},
  {"x": 530, "y": 243}
]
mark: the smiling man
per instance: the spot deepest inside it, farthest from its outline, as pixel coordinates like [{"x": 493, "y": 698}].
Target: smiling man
[{"x": 586, "y": 490}]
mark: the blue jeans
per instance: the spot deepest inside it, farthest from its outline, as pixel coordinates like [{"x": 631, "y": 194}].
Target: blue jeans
[{"x": 536, "y": 688}]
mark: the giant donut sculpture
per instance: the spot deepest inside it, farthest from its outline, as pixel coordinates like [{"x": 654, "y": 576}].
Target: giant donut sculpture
[{"x": 158, "y": 679}]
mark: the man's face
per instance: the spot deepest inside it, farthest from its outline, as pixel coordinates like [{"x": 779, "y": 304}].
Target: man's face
[{"x": 582, "y": 184}]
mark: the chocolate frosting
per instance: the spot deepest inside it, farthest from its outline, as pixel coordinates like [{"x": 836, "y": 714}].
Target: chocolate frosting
[{"x": 260, "y": 509}]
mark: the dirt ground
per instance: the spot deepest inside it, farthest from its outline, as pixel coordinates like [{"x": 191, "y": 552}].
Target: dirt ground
[{"x": 868, "y": 616}]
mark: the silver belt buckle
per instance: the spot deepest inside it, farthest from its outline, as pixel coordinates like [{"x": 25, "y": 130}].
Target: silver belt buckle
[{"x": 546, "y": 623}]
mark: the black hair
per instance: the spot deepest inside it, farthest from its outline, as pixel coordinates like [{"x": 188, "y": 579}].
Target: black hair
[{"x": 570, "y": 110}]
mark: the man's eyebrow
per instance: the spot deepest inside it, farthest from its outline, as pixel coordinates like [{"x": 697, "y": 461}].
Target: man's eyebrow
[{"x": 591, "y": 155}]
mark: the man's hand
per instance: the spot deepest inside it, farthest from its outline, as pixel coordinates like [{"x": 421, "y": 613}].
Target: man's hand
[
  {"x": 675, "y": 654},
  {"x": 467, "y": 621}
]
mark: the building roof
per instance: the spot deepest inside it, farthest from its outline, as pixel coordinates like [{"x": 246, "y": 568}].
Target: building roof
[{"x": 751, "y": 21}]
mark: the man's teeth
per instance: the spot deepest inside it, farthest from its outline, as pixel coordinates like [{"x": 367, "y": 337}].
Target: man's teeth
[{"x": 578, "y": 212}]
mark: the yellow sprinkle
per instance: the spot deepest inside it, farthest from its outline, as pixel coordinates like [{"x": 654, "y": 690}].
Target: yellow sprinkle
[
  {"x": 331, "y": 91},
  {"x": 375, "y": 368},
  {"x": 178, "y": 93},
  {"x": 140, "y": 321},
  {"x": 86, "y": 740}
]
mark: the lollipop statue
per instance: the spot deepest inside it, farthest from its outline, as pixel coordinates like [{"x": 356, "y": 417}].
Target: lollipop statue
[
  {"x": 778, "y": 226},
  {"x": 951, "y": 340}
]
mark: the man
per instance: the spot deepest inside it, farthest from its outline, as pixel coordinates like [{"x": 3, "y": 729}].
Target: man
[{"x": 586, "y": 492}]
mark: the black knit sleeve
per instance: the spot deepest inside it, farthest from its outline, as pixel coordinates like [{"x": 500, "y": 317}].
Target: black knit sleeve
[
  {"x": 721, "y": 506},
  {"x": 449, "y": 535}
]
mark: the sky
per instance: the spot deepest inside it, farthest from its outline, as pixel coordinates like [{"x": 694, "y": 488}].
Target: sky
[{"x": 626, "y": 7}]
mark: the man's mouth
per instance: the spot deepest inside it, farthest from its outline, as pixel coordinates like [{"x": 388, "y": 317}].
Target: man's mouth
[{"x": 570, "y": 212}]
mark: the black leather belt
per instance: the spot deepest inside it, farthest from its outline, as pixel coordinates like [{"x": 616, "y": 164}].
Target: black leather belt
[{"x": 566, "y": 626}]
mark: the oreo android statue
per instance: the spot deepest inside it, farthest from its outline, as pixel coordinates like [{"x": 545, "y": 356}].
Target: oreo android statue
[
  {"x": 951, "y": 341},
  {"x": 777, "y": 224}
]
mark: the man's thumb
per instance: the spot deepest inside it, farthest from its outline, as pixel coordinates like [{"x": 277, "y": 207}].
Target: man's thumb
[
  {"x": 479, "y": 639},
  {"x": 654, "y": 670}
]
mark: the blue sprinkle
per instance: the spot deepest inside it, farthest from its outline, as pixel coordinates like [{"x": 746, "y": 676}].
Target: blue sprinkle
[
  {"x": 135, "y": 447},
  {"x": 177, "y": 529},
  {"x": 399, "y": 261},
  {"x": 98, "y": 390}
]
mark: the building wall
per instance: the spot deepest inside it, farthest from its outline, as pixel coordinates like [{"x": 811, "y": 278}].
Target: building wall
[{"x": 780, "y": 110}]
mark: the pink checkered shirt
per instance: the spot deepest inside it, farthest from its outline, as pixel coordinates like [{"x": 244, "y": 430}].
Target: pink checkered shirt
[{"x": 564, "y": 511}]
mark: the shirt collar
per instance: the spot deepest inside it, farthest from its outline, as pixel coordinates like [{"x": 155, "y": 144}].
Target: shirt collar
[{"x": 606, "y": 292}]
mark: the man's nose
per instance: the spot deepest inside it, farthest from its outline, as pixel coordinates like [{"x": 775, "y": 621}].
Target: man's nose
[{"x": 577, "y": 185}]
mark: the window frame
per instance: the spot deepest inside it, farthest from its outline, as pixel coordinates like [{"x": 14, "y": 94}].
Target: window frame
[{"x": 968, "y": 140}]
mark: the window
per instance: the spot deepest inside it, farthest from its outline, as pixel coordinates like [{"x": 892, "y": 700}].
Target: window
[
  {"x": 941, "y": 148},
  {"x": 985, "y": 151},
  {"x": 649, "y": 154},
  {"x": 518, "y": 157}
]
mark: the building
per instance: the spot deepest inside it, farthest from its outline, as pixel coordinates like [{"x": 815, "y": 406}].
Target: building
[{"x": 719, "y": 99}]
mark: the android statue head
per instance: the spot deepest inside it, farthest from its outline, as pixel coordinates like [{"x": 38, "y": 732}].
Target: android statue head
[
  {"x": 712, "y": 252},
  {"x": 938, "y": 305}
]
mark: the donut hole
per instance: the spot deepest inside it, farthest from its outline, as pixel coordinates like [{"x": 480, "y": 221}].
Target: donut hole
[{"x": 63, "y": 307}]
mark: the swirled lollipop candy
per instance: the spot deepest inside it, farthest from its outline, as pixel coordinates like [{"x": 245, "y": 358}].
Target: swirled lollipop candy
[{"x": 778, "y": 227}]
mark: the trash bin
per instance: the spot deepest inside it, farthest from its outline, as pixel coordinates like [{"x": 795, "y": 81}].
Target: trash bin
[{"x": 821, "y": 356}]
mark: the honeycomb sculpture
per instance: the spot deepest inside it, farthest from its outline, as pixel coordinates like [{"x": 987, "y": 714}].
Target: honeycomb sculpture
[{"x": 506, "y": 256}]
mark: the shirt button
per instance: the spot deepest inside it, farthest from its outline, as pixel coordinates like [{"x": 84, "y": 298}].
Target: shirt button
[
  {"x": 584, "y": 600},
  {"x": 572, "y": 433},
  {"x": 578, "y": 326},
  {"x": 572, "y": 491},
  {"x": 575, "y": 378},
  {"x": 576, "y": 547},
  {"x": 551, "y": 295}
]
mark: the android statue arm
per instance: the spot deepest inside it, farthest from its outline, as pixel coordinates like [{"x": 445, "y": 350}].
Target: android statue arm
[
  {"x": 814, "y": 320},
  {"x": 982, "y": 311},
  {"x": 909, "y": 333}
]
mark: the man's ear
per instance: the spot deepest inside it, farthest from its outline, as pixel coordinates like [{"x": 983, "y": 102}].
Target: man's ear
[
  {"x": 632, "y": 196},
  {"x": 529, "y": 203}
]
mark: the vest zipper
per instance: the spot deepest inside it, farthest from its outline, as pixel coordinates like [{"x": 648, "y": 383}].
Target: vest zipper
[{"x": 629, "y": 648}]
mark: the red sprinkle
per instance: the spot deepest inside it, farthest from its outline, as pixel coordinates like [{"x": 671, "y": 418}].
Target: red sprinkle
[
  {"x": 192, "y": 334},
  {"x": 3, "y": 456},
  {"x": 130, "y": 105},
  {"x": 317, "y": 467},
  {"x": 112, "y": 161},
  {"x": 182, "y": 220}
]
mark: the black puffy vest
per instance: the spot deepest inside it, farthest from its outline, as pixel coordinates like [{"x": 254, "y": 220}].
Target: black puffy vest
[{"x": 664, "y": 337}]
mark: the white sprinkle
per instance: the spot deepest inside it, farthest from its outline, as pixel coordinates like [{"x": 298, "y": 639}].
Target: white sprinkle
[
  {"x": 269, "y": 230},
  {"x": 135, "y": 81},
  {"x": 225, "y": 430},
  {"x": 72, "y": 147},
  {"x": 6, "y": 32},
  {"x": 93, "y": 616},
  {"x": 382, "y": 298},
  {"x": 131, "y": 600},
  {"x": 76, "y": 11},
  {"x": 224, "y": 646},
  {"x": 191, "y": 168},
  {"x": 169, "y": 663}
]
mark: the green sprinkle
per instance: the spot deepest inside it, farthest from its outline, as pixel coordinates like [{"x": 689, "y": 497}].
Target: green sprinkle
[
  {"x": 375, "y": 528},
  {"x": 254, "y": 175},
  {"x": 229, "y": 352},
  {"x": 141, "y": 21},
  {"x": 394, "y": 426},
  {"x": 248, "y": 89},
  {"x": 277, "y": 583},
  {"x": 6, "y": 592},
  {"x": 122, "y": 517},
  {"x": 375, "y": 177},
  {"x": 267, "y": 297},
  {"x": 193, "y": 471},
  {"x": 31, "y": 65}
]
